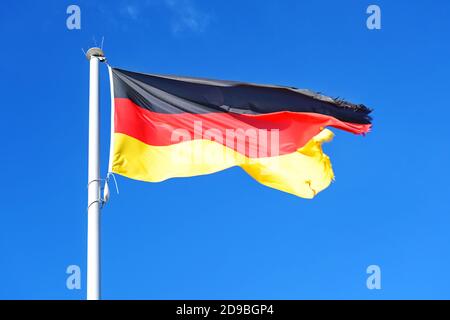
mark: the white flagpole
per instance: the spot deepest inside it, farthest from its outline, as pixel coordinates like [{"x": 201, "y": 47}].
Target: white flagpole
[{"x": 94, "y": 55}]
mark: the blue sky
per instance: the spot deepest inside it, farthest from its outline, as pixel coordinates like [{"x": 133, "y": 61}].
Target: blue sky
[{"x": 225, "y": 236}]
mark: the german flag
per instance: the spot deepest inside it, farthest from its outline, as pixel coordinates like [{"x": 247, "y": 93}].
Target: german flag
[{"x": 170, "y": 126}]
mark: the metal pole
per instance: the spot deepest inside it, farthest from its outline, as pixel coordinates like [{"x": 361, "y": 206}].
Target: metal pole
[{"x": 94, "y": 55}]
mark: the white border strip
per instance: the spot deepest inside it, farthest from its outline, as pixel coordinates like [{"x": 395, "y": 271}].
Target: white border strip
[{"x": 111, "y": 143}]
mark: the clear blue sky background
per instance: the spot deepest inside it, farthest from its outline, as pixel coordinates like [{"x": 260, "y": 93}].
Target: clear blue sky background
[{"x": 224, "y": 235}]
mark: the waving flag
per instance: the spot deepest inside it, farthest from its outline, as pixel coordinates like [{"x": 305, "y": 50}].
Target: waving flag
[{"x": 169, "y": 126}]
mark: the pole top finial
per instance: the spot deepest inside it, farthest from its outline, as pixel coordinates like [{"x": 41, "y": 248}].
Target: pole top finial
[{"x": 95, "y": 52}]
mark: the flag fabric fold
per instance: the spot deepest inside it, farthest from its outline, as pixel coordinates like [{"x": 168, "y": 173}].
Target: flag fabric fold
[{"x": 167, "y": 126}]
